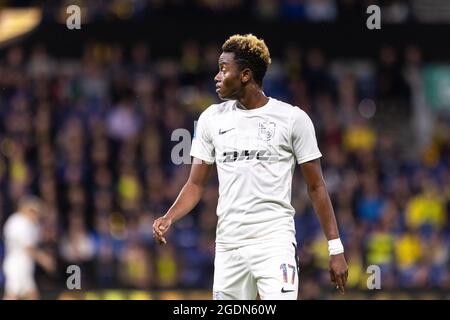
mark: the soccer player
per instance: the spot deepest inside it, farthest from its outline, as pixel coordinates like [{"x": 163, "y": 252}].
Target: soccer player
[
  {"x": 21, "y": 234},
  {"x": 255, "y": 142}
]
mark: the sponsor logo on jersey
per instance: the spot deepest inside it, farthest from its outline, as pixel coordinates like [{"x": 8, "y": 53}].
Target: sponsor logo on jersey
[{"x": 261, "y": 155}]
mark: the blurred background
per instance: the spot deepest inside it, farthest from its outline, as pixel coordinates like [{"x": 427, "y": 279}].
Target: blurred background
[{"x": 86, "y": 118}]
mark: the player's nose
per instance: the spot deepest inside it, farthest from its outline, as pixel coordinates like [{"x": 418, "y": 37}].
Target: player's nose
[{"x": 217, "y": 78}]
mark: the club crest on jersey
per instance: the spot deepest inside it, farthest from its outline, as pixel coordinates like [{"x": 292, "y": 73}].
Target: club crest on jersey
[{"x": 266, "y": 130}]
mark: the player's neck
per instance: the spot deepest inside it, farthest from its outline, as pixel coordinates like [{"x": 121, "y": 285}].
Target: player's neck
[
  {"x": 27, "y": 215},
  {"x": 253, "y": 98}
]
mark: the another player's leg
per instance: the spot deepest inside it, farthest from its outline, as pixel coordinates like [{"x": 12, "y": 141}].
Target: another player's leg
[
  {"x": 10, "y": 296},
  {"x": 20, "y": 284},
  {"x": 32, "y": 295},
  {"x": 13, "y": 285},
  {"x": 232, "y": 277}
]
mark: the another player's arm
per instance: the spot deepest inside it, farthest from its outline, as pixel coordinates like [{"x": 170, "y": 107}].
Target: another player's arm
[
  {"x": 312, "y": 173},
  {"x": 187, "y": 199},
  {"x": 44, "y": 259}
]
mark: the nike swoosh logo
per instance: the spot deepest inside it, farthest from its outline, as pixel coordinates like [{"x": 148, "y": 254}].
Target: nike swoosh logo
[
  {"x": 225, "y": 131},
  {"x": 286, "y": 291}
]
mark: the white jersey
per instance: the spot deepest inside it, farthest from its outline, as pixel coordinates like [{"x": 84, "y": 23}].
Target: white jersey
[
  {"x": 19, "y": 233},
  {"x": 255, "y": 152}
]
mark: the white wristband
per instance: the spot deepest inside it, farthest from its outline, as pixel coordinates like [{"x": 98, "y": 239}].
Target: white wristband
[{"x": 335, "y": 247}]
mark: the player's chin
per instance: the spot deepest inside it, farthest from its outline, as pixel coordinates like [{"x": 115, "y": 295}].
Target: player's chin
[{"x": 222, "y": 96}]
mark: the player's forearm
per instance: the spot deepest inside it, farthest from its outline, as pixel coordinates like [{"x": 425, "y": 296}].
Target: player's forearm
[
  {"x": 40, "y": 257},
  {"x": 35, "y": 253},
  {"x": 324, "y": 210},
  {"x": 187, "y": 199}
]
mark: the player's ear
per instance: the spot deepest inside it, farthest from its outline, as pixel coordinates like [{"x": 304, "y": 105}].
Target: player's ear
[{"x": 246, "y": 75}]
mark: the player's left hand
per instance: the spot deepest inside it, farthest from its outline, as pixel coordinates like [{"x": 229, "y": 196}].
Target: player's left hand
[
  {"x": 338, "y": 271},
  {"x": 160, "y": 227}
]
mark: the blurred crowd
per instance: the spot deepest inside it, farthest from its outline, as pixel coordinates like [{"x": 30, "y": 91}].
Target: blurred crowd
[
  {"x": 394, "y": 11},
  {"x": 93, "y": 138}
]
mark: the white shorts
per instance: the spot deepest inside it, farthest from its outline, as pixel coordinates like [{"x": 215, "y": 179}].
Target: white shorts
[
  {"x": 267, "y": 269},
  {"x": 19, "y": 279}
]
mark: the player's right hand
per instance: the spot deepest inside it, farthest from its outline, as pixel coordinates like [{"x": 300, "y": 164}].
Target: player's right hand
[
  {"x": 48, "y": 263},
  {"x": 160, "y": 227},
  {"x": 51, "y": 268}
]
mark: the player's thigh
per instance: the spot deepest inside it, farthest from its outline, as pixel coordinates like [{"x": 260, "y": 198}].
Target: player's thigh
[
  {"x": 277, "y": 273},
  {"x": 20, "y": 284},
  {"x": 232, "y": 277}
]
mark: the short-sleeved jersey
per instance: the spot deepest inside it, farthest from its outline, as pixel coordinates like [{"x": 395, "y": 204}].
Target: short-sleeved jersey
[
  {"x": 255, "y": 152},
  {"x": 20, "y": 234}
]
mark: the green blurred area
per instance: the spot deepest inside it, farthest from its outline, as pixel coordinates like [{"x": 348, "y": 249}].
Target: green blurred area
[
  {"x": 206, "y": 295},
  {"x": 437, "y": 86}
]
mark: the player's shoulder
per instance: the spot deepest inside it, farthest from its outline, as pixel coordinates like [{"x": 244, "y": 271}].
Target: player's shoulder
[
  {"x": 218, "y": 109},
  {"x": 14, "y": 217},
  {"x": 282, "y": 104},
  {"x": 15, "y": 220},
  {"x": 290, "y": 110}
]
